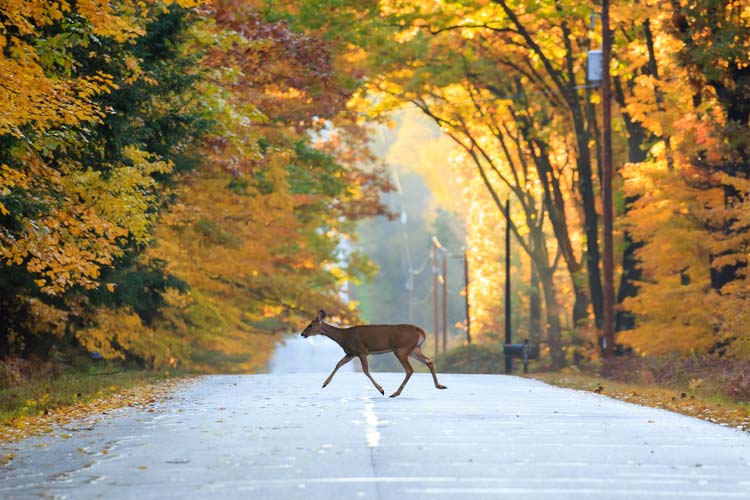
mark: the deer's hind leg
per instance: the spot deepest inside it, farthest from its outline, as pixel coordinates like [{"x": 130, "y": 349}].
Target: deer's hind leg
[
  {"x": 403, "y": 357},
  {"x": 366, "y": 369},
  {"x": 417, "y": 354}
]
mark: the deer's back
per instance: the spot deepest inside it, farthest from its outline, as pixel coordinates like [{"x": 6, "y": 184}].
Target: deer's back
[{"x": 384, "y": 338}]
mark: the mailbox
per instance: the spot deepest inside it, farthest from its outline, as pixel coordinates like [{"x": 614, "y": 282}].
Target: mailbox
[{"x": 524, "y": 351}]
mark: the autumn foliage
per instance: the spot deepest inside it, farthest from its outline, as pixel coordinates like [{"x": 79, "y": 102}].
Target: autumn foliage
[
  {"x": 180, "y": 179},
  {"x": 176, "y": 178},
  {"x": 506, "y": 80}
]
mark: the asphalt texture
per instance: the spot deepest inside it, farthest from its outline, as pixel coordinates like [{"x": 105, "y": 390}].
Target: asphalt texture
[{"x": 281, "y": 436}]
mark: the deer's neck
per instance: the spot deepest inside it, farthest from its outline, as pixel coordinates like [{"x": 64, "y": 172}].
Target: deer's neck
[{"x": 333, "y": 333}]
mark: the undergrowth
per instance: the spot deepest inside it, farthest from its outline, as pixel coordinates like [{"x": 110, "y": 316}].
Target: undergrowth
[{"x": 33, "y": 387}]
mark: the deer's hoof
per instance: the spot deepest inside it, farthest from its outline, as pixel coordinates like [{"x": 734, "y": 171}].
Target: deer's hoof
[
  {"x": 381, "y": 391},
  {"x": 394, "y": 394},
  {"x": 441, "y": 387},
  {"x": 324, "y": 386}
]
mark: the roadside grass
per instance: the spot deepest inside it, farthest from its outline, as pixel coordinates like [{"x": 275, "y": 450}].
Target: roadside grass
[
  {"x": 472, "y": 358},
  {"x": 42, "y": 400},
  {"x": 706, "y": 388},
  {"x": 39, "y": 395}
]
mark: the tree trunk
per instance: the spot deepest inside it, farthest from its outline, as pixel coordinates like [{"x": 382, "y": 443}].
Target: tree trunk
[
  {"x": 552, "y": 306},
  {"x": 535, "y": 308},
  {"x": 590, "y": 217},
  {"x": 581, "y": 305}
]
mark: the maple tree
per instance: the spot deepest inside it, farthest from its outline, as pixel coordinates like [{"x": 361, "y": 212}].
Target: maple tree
[
  {"x": 160, "y": 206},
  {"x": 258, "y": 231},
  {"x": 692, "y": 214},
  {"x": 506, "y": 80},
  {"x": 181, "y": 179},
  {"x": 76, "y": 200},
  {"x": 480, "y": 97}
]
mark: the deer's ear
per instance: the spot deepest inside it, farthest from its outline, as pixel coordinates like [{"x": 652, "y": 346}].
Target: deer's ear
[{"x": 321, "y": 315}]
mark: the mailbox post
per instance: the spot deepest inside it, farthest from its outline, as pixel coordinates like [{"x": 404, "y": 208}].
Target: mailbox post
[{"x": 524, "y": 351}]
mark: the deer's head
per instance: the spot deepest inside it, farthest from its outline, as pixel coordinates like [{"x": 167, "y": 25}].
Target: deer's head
[{"x": 316, "y": 326}]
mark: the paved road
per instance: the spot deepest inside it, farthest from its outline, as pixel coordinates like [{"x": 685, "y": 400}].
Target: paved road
[
  {"x": 283, "y": 437},
  {"x": 317, "y": 354}
]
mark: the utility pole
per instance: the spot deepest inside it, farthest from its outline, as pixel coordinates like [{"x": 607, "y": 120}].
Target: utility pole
[
  {"x": 410, "y": 289},
  {"x": 508, "y": 340},
  {"x": 466, "y": 291},
  {"x": 445, "y": 300},
  {"x": 435, "y": 291},
  {"x": 607, "y": 222}
]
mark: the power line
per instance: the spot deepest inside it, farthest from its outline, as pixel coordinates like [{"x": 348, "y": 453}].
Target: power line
[
  {"x": 422, "y": 267},
  {"x": 427, "y": 296}
]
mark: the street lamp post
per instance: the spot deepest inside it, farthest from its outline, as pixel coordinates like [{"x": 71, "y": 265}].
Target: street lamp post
[
  {"x": 445, "y": 299},
  {"x": 435, "y": 273}
]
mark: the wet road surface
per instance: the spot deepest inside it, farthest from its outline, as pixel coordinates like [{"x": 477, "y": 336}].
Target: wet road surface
[{"x": 281, "y": 436}]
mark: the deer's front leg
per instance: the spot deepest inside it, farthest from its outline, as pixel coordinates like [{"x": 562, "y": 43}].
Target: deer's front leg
[
  {"x": 341, "y": 363},
  {"x": 363, "y": 360}
]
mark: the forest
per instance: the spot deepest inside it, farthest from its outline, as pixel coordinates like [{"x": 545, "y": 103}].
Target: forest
[
  {"x": 183, "y": 180},
  {"x": 177, "y": 179}
]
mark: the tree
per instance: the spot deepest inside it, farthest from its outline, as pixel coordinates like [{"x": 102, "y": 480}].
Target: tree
[
  {"x": 406, "y": 47},
  {"x": 138, "y": 141},
  {"x": 75, "y": 200},
  {"x": 695, "y": 256}
]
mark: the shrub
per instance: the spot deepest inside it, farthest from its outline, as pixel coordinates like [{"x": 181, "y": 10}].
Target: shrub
[{"x": 737, "y": 386}]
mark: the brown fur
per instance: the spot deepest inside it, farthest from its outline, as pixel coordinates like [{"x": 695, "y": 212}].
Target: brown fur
[{"x": 403, "y": 341}]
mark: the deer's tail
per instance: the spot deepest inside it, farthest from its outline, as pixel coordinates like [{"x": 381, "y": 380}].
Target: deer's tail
[{"x": 422, "y": 336}]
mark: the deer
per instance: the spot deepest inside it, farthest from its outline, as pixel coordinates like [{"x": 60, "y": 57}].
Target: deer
[{"x": 358, "y": 341}]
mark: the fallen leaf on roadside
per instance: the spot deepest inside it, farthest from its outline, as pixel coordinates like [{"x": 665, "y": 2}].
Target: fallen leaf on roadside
[{"x": 137, "y": 397}]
